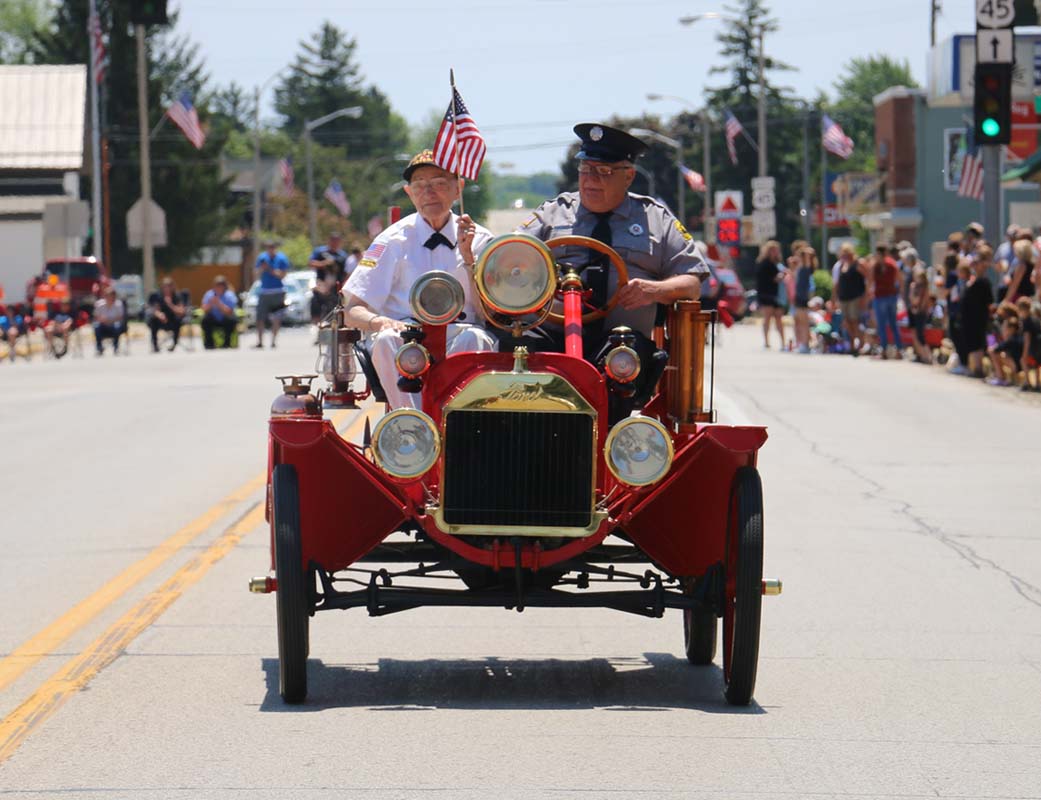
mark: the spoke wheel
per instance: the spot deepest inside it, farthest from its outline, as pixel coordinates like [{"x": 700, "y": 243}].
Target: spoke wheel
[
  {"x": 743, "y": 602},
  {"x": 291, "y": 596},
  {"x": 699, "y": 635}
]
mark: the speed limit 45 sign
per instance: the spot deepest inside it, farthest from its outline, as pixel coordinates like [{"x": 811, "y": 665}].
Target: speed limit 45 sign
[{"x": 995, "y": 13}]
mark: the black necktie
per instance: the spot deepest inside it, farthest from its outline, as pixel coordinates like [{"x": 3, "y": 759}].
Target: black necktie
[
  {"x": 596, "y": 271},
  {"x": 437, "y": 238}
]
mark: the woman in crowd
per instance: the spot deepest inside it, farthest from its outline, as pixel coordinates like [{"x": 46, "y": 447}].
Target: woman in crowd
[
  {"x": 1005, "y": 355},
  {"x": 167, "y": 313},
  {"x": 805, "y": 265},
  {"x": 1021, "y": 271},
  {"x": 974, "y": 307},
  {"x": 850, "y": 289},
  {"x": 1030, "y": 358},
  {"x": 768, "y": 276},
  {"x": 919, "y": 308}
]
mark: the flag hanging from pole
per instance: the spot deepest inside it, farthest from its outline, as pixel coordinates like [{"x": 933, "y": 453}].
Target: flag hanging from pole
[
  {"x": 971, "y": 183},
  {"x": 186, "y": 118},
  {"x": 97, "y": 45},
  {"x": 695, "y": 180},
  {"x": 334, "y": 194},
  {"x": 835, "y": 139},
  {"x": 459, "y": 147},
  {"x": 285, "y": 166},
  {"x": 732, "y": 129}
]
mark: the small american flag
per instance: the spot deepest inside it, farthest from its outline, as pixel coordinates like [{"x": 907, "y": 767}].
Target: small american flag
[
  {"x": 835, "y": 139},
  {"x": 732, "y": 130},
  {"x": 285, "y": 166},
  {"x": 695, "y": 180},
  {"x": 97, "y": 44},
  {"x": 459, "y": 147},
  {"x": 971, "y": 183},
  {"x": 186, "y": 118},
  {"x": 334, "y": 194},
  {"x": 374, "y": 251}
]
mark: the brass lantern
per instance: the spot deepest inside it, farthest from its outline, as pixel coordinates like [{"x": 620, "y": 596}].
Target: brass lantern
[{"x": 336, "y": 359}]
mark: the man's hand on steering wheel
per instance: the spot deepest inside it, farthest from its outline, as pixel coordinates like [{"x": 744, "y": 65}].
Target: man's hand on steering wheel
[{"x": 639, "y": 292}]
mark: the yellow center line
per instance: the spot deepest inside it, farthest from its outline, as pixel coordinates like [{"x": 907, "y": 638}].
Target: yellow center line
[
  {"x": 47, "y": 641},
  {"x": 81, "y": 669}
]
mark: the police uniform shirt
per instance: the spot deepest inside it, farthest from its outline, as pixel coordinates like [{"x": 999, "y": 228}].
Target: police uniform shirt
[
  {"x": 388, "y": 269},
  {"x": 653, "y": 244}
]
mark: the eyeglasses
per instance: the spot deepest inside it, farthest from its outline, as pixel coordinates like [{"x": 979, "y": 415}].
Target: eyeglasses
[
  {"x": 436, "y": 184},
  {"x": 600, "y": 170}
]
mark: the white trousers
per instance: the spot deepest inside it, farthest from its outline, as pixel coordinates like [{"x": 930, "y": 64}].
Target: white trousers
[{"x": 384, "y": 346}]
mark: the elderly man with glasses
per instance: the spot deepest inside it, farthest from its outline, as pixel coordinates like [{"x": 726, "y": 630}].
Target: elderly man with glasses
[
  {"x": 434, "y": 238},
  {"x": 663, "y": 261}
]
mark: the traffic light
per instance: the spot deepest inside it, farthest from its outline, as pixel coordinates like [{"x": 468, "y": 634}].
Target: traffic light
[
  {"x": 728, "y": 231},
  {"x": 992, "y": 104},
  {"x": 148, "y": 12}
]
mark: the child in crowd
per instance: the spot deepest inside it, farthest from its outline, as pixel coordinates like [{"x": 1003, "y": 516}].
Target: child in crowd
[
  {"x": 957, "y": 282},
  {"x": 1030, "y": 358},
  {"x": 1006, "y": 354},
  {"x": 806, "y": 264},
  {"x": 974, "y": 308},
  {"x": 919, "y": 309}
]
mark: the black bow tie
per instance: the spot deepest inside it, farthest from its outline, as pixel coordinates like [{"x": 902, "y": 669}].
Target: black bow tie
[{"x": 436, "y": 239}]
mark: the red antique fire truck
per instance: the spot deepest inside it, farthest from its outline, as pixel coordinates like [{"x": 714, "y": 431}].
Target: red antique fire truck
[{"x": 514, "y": 480}]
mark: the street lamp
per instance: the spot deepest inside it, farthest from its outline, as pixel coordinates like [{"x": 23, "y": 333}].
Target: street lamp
[
  {"x": 678, "y": 146},
  {"x": 706, "y": 133},
  {"x": 353, "y": 112},
  {"x": 256, "y": 161},
  {"x": 650, "y": 179},
  {"x": 758, "y": 30}
]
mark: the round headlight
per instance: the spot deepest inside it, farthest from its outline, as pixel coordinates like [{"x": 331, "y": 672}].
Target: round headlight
[
  {"x": 405, "y": 443},
  {"x": 515, "y": 274},
  {"x": 412, "y": 360},
  {"x": 436, "y": 298},
  {"x": 622, "y": 364},
  {"x": 638, "y": 451}
]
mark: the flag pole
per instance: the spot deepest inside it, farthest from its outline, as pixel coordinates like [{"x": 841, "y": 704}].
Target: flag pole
[
  {"x": 455, "y": 143},
  {"x": 824, "y": 184}
]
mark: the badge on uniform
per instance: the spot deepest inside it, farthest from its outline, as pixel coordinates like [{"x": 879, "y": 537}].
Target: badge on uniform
[
  {"x": 636, "y": 229},
  {"x": 596, "y": 133}
]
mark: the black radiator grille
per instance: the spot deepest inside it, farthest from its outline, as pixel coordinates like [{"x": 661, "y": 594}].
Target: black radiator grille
[{"x": 518, "y": 468}]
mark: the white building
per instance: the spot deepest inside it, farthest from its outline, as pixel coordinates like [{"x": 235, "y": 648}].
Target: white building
[{"x": 41, "y": 160}]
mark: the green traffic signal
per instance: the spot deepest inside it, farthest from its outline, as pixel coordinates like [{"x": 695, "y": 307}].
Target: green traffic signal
[{"x": 990, "y": 127}]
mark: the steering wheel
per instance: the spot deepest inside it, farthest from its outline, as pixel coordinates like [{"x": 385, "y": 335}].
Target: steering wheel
[{"x": 616, "y": 262}]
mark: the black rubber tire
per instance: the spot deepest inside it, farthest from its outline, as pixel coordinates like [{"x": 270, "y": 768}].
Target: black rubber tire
[
  {"x": 743, "y": 609},
  {"x": 699, "y": 635},
  {"x": 291, "y": 596}
]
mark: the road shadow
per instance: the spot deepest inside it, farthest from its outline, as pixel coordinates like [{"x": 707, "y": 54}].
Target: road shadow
[{"x": 655, "y": 681}]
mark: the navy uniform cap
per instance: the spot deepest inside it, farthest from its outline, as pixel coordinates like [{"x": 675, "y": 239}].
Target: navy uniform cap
[{"x": 604, "y": 143}]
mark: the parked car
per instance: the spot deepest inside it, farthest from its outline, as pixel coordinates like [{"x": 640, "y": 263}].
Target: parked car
[
  {"x": 84, "y": 275},
  {"x": 299, "y": 287}
]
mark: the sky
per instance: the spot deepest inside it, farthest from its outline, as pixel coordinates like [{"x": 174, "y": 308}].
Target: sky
[{"x": 529, "y": 71}]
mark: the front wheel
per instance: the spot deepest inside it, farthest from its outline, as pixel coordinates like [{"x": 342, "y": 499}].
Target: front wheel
[
  {"x": 744, "y": 587},
  {"x": 291, "y": 596},
  {"x": 699, "y": 635}
]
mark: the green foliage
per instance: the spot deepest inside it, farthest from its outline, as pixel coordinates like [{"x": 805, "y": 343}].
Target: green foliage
[
  {"x": 822, "y": 284},
  {"x": 854, "y": 110},
  {"x": 532, "y": 189},
  {"x": 20, "y": 22}
]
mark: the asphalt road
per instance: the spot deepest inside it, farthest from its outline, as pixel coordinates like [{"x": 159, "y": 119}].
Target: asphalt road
[{"x": 903, "y": 511}]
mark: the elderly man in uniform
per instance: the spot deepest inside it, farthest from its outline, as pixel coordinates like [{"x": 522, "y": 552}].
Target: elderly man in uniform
[
  {"x": 434, "y": 238},
  {"x": 662, "y": 259}
]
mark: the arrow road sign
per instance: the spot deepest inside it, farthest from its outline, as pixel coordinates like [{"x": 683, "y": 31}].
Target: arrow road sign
[{"x": 995, "y": 46}]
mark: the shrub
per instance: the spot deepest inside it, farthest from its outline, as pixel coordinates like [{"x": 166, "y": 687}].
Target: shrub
[{"x": 822, "y": 284}]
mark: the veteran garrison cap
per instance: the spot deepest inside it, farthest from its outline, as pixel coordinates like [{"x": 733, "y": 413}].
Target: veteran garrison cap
[
  {"x": 604, "y": 143},
  {"x": 422, "y": 159}
]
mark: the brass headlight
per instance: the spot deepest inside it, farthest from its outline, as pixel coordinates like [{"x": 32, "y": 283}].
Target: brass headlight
[
  {"x": 638, "y": 451},
  {"x": 515, "y": 275},
  {"x": 622, "y": 364},
  {"x": 405, "y": 443},
  {"x": 412, "y": 360},
  {"x": 436, "y": 298}
]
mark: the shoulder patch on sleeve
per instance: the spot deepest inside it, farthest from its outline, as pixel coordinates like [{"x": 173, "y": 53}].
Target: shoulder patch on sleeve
[
  {"x": 367, "y": 262},
  {"x": 683, "y": 231}
]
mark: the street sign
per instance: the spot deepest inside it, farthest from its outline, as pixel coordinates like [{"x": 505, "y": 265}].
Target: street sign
[
  {"x": 995, "y": 46},
  {"x": 764, "y": 224},
  {"x": 66, "y": 220},
  {"x": 995, "y": 13},
  {"x": 729, "y": 203},
  {"x": 764, "y": 184},
  {"x": 136, "y": 225}
]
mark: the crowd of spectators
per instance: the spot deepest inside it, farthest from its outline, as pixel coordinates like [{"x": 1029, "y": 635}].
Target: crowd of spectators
[{"x": 979, "y": 311}]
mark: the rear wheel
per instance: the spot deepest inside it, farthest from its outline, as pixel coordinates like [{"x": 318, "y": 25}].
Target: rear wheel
[
  {"x": 291, "y": 596},
  {"x": 699, "y": 635},
  {"x": 744, "y": 587}
]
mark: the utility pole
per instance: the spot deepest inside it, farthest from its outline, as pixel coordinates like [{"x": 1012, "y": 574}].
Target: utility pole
[
  {"x": 706, "y": 167},
  {"x": 256, "y": 172},
  {"x": 148, "y": 256},
  {"x": 762, "y": 106},
  {"x": 95, "y": 144},
  {"x": 934, "y": 12},
  {"x": 681, "y": 185},
  {"x": 806, "y": 203}
]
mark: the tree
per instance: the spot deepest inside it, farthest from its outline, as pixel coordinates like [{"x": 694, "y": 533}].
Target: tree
[
  {"x": 186, "y": 182},
  {"x": 20, "y": 22},
  {"x": 854, "y": 110},
  {"x": 325, "y": 78}
]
